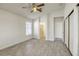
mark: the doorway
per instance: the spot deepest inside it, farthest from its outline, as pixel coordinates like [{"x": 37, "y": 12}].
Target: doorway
[
  {"x": 42, "y": 31},
  {"x": 39, "y": 30},
  {"x": 59, "y": 28}
]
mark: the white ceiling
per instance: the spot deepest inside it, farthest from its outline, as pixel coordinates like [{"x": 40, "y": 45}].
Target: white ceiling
[{"x": 17, "y": 8}]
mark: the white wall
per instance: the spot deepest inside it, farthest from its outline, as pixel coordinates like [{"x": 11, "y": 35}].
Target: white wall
[
  {"x": 68, "y": 8},
  {"x": 12, "y": 29},
  {"x": 78, "y": 31},
  {"x": 59, "y": 27},
  {"x": 36, "y": 29},
  {"x": 48, "y": 19},
  {"x": 58, "y": 13},
  {"x": 50, "y": 28}
]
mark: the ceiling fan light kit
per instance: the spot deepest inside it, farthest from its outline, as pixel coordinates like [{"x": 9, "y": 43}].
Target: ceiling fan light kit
[{"x": 36, "y": 7}]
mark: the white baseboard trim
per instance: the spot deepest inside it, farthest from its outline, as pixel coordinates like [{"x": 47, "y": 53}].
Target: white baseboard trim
[{"x": 15, "y": 43}]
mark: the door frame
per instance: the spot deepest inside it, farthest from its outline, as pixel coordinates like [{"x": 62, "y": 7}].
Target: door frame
[{"x": 63, "y": 26}]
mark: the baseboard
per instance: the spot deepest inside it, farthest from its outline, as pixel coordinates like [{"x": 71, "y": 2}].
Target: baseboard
[
  {"x": 9, "y": 45},
  {"x": 69, "y": 50}
]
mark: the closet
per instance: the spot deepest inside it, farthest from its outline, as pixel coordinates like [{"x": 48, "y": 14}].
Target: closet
[{"x": 69, "y": 31}]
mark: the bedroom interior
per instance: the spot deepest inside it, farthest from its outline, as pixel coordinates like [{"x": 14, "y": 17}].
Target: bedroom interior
[{"x": 39, "y": 29}]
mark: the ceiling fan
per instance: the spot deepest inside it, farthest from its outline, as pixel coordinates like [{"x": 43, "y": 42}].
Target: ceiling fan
[{"x": 36, "y": 7}]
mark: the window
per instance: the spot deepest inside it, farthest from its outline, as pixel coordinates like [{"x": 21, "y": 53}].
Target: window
[{"x": 28, "y": 28}]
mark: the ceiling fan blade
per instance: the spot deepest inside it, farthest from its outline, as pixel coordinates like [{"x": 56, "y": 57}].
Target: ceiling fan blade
[
  {"x": 40, "y": 5},
  {"x": 31, "y": 11},
  {"x": 40, "y": 10}
]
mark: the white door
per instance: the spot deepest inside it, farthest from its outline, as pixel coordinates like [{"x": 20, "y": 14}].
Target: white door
[
  {"x": 66, "y": 32},
  {"x": 71, "y": 40},
  {"x": 59, "y": 28}
]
